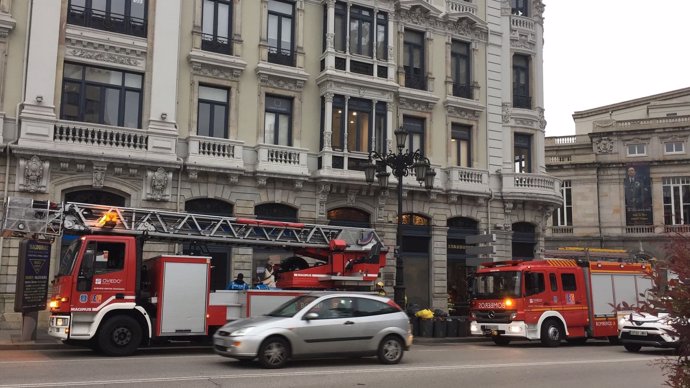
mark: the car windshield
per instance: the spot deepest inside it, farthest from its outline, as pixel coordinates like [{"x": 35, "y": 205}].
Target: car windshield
[
  {"x": 67, "y": 261},
  {"x": 292, "y": 307},
  {"x": 497, "y": 285}
]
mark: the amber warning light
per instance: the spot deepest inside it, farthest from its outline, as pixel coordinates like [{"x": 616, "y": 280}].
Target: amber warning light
[{"x": 108, "y": 220}]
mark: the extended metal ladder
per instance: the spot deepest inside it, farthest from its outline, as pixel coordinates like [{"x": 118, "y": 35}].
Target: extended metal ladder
[{"x": 25, "y": 217}]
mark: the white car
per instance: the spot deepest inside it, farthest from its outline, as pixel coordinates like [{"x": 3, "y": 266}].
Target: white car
[{"x": 644, "y": 329}]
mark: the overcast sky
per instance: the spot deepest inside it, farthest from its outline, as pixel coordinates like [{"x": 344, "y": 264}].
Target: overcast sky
[{"x": 601, "y": 52}]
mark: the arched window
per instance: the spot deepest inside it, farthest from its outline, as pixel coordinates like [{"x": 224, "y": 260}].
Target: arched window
[
  {"x": 220, "y": 253},
  {"x": 95, "y": 197},
  {"x": 276, "y": 212},
  {"x": 349, "y": 216},
  {"x": 208, "y": 206}
]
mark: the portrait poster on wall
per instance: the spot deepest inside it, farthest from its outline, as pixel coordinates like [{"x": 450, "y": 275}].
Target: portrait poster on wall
[{"x": 638, "y": 195}]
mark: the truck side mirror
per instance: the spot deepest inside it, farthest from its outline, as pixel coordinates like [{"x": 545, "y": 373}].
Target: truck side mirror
[{"x": 87, "y": 264}]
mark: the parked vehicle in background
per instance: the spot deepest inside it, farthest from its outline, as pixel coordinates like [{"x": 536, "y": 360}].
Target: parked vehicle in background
[
  {"x": 640, "y": 329},
  {"x": 319, "y": 325},
  {"x": 555, "y": 299}
]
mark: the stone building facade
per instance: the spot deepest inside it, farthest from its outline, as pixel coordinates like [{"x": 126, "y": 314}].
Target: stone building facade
[
  {"x": 625, "y": 175},
  {"x": 268, "y": 109}
]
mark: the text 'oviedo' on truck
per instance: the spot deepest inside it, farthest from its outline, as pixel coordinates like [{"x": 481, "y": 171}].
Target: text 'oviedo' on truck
[
  {"x": 107, "y": 297},
  {"x": 555, "y": 299}
]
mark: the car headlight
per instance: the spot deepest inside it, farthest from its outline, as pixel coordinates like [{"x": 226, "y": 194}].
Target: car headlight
[
  {"x": 241, "y": 331},
  {"x": 621, "y": 322}
]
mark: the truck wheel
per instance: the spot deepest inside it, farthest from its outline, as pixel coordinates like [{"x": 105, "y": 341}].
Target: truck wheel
[
  {"x": 390, "y": 350},
  {"x": 634, "y": 348},
  {"x": 119, "y": 336},
  {"x": 551, "y": 333},
  {"x": 274, "y": 353},
  {"x": 501, "y": 341}
]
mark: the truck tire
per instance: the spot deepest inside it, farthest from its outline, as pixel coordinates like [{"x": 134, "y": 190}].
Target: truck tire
[
  {"x": 119, "y": 336},
  {"x": 390, "y": 350},
  {"x": 551, "y": 333},
  {"x": 274, "y": 353},
  {"x": 501, "y": 341},
  {"x": 634, "y": 348}
]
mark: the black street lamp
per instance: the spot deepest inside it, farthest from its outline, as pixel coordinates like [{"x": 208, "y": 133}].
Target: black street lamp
[{"x": 402, "y": 163}]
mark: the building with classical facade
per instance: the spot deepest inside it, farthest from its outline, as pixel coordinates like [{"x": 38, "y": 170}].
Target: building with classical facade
[
  {"x": 269, "y": 108},
  {"x": 625, "y": 175}
]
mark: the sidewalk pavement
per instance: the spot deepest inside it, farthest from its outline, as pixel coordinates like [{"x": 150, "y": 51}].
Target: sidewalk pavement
[{"x": 11, "y": 339}]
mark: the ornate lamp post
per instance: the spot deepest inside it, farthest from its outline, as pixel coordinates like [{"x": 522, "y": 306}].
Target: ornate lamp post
[{"x": 402, "y": 163}]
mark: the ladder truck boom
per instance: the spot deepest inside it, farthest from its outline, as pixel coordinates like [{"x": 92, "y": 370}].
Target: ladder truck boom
[{"x": 28, "y": 218}]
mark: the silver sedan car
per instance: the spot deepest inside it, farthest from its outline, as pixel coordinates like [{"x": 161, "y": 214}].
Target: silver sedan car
[{"x": 317, "y": 326}]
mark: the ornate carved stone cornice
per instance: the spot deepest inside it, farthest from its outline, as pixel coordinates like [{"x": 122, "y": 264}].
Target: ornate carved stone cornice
[
  {"x": 207, "y": 64},
  {"x": 101, "y": 47},
  {"x": 292, "y": 79}
]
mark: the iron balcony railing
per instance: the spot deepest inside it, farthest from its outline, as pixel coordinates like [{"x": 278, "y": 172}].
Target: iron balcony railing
[
  {"x": 108, "y": 21},
  {"x": 281, "y": 56},
  {"x": 462, "y": 90},
  {"x": 522, "y": 101},
  {"x": 216, "y": 44},
  {"x": 414, "y": 81}
]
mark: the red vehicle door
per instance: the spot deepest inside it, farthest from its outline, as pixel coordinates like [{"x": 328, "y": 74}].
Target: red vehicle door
[
  {"x": 101, "y": 277},
  {"x": 569, "y": 298}
]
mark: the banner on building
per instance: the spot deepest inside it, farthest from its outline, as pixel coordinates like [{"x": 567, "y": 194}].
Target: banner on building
[{"x": 638, "y": 195}]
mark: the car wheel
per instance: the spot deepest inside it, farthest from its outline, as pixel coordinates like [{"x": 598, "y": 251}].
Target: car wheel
[
  {"x": 274, "y": 353},
  {"x": 501, "y": 341},
  {"x": 119, "y": 336},
  {"x": 391, "y": 350},
  {"x": 551, "y": 333},
  {"x": 634, "y": 348}
]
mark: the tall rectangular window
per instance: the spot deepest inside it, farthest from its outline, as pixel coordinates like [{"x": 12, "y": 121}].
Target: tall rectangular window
[
  {"x": 278, "y": 121},
  {"x": 563, "y": 216},
  {"x": 461, "y": 143},
  {"x": 676, "y": 192},
  {"x": 121, "y": 16},
  {"x": 413, "y": 60},
  {"x": 338, "y": 128},
  {"x": 521, "y": 96},
  {"x": 101, "y": 95},
  {"x": 216, "y": 26},
  {"x": 382, "y": 36},
  {"x": 522, "y": 151},
  {"x": 358, "y": 125},
  {"x": 361, "y": 31},
  {"x": 212, "y": 112},
  {"x": 460, "y": 69},
  {"x": 340, "y": 26},
  {"x": 281, "y": 32},
  {"x": 415, "y": 132},
  {"x": 380, "y": 127}
]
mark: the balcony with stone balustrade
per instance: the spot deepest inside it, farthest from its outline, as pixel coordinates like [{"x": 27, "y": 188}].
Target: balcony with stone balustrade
[{"x": 215, "y": 154}]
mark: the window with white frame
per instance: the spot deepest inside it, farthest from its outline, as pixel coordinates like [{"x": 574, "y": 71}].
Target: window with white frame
[
  {"x": 563, "y": 216},
  {"x": 637, "y": 149},
  {"x": 213, "y": 112},
  {"x": 278, "y": 121},
  {"x": 676, "y": 192},
  {"x": 674, "y": 147}
]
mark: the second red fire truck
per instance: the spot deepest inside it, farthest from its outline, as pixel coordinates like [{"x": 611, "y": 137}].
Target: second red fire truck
[{"x": 555, "y": 299}]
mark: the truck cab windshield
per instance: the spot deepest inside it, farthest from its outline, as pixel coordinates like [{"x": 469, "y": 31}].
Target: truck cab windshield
[
  {"x": 497, "y": 285},
  {"x": 68, "y": 259}
]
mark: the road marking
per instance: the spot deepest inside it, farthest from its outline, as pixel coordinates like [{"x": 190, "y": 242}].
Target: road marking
[
  {"x": 108, "y": 359},
  {"x": 329, "y": 372}
]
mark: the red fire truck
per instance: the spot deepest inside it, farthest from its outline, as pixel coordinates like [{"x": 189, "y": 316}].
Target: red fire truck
[
  {"x": 555, "y": 299},
  {"x": 107, "y": 297}
]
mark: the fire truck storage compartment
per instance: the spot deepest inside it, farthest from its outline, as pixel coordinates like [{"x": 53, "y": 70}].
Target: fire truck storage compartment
[
  {"x": 183, "y": 298},
  {"x": 611, "y": 291}
]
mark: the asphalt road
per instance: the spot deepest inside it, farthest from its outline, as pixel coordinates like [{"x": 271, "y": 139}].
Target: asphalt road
[{"x": 480, "y": 365}]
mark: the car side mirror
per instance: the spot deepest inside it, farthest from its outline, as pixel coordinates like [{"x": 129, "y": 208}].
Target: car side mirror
[{"x": 310, "y": 316}]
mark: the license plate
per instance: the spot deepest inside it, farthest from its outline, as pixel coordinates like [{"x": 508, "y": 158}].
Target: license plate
[
  {"x": 218, "y": 342},
  {"x": 640, "y": 333},
  {"x": 490, "y": 327}
]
